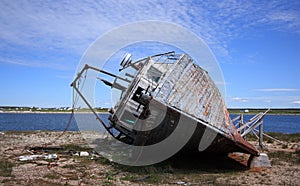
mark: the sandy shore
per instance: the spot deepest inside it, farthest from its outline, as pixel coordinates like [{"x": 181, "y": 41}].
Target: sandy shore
[{"x": 95, "y": 170}]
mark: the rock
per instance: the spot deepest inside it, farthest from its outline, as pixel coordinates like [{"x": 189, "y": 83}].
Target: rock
[{"x": 260, "y": 161}]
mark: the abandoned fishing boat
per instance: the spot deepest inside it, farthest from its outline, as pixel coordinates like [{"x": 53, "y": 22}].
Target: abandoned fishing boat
[{"x": 156, "y": 92}]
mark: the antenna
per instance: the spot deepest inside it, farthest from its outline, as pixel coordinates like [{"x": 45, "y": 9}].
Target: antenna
[{"x": 126, "y": 60}]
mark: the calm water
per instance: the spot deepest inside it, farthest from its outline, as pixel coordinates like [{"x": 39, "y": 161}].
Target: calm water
[
  {"x": 57, "y": 122},
  {"x": 279, "y": 123},
  {"x": 32, "y": 121}
]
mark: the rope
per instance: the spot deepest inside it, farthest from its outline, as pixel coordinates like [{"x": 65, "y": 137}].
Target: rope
[
  {"x": 64, "y": 131},
  {"x": 74, "y": 100}
]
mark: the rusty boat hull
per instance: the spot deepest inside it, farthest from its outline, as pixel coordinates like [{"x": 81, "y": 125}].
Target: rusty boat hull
[{"x": 173, "y": 90}]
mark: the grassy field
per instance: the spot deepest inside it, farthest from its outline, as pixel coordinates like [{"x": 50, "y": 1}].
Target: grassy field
[{"x": 256, "y": 111}]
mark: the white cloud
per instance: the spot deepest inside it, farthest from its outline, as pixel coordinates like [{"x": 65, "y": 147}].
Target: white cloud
[
  {"x": 264, "y": 101},
  {"x": 74, "y": 25},
  {"x": 296, "y": 102},
  {"x": 238, "y": 99},
  {"x": 34, "y": 63},
  {"x": 277, "y": 90},
  {"x": 69, "y": 27}
]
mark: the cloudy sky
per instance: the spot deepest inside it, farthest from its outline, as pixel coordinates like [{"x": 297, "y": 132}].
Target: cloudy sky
[{"x": 257, "y": 45}]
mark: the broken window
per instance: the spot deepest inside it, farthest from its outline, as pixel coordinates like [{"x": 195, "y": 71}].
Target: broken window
[{"x": 154, "y": 74}]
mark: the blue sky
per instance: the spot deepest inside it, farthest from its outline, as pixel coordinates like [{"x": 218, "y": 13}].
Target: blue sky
[{"x": 257, "y": 44}]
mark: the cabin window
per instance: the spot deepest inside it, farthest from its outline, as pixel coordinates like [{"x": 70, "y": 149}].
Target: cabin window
[
  {"x": 128, "y": 117},
  {"x": 154, "y": 74},
  {"x": 120, "y": 86}
]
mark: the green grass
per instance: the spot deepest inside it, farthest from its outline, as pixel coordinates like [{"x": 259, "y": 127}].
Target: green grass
[
  {"x": 6, "y": 168},
  {"x": 281, "y": 156},
  {"x": 285, "y": 137},
  {"x": 282, "y": 137},
  {"x": 48, "y": 183},
  {"x": 71, "y": 166},
  {"x": 75, "y": 147},
  {"x": 200, "y": 170},
  {"x": 154, "y": 174},
  {"x": 63, "y": 149}
]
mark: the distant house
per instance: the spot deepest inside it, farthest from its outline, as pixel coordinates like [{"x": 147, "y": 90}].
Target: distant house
[{"x": 245, "y": 111}]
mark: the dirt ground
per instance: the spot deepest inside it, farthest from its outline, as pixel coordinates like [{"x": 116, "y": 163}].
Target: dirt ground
[{"x": 69, "y": 168}]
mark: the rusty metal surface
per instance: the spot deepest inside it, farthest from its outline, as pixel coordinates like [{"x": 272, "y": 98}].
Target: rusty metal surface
[
  {"x": 179, "y": 83},
  {"x": 188, "y": 88}
]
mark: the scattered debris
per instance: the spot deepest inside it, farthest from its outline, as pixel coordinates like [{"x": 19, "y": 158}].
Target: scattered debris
[
  {"x": 181, "y": 183},
  {"x": 51, "y": 156},
  {"x": 71, "y": 170},
  {"x": 28, "y": 158},
  {"x": 83, "y": 153},
  {"x": 35, "y": 157}
]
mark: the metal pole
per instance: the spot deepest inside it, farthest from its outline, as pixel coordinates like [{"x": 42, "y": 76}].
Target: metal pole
[
  {"x": 242, "y": 122},
  {"x": 79, "y": 75},
  {"x": 91, "y": 108},
  {"x": 261, "y": 133},
  {"x": 272, "y": 138},
  {"x": 107, "y": 73}
]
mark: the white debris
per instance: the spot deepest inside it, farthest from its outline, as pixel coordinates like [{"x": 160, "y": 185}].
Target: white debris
[
  {"x": 84, "y": 153},
  {"x": 181, "y": 183},
  {"x": 34, "y": 157},
  {"x": 51, "y": 156},
  {"x": 31, "y": 157}
]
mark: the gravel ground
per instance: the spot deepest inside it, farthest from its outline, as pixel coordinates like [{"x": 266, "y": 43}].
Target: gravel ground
[{"x": 69, "y": 169}]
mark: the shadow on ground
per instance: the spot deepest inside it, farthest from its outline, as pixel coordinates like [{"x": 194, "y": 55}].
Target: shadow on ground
[{"x": 187, "y": 164}]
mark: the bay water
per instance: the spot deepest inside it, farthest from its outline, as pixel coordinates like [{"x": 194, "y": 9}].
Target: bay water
[{"x": 58, "y": 121}]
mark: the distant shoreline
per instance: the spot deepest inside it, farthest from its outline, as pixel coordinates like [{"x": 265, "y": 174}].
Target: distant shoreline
[
  {"x": 270, "y": 112},
  {"x": 48, "y": 112},
  {"x": 106, "y": 112},
  {"x": 286, "y": 114}
]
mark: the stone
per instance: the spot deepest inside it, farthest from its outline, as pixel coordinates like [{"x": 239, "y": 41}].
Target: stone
[{"x": 260, "y": 161}]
